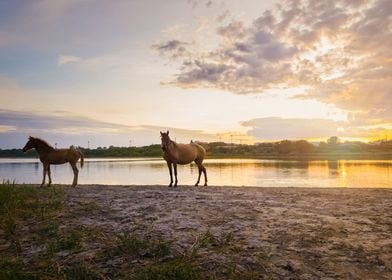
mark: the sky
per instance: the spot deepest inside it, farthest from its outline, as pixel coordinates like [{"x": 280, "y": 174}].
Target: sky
[{"x": 99, "y": 73}]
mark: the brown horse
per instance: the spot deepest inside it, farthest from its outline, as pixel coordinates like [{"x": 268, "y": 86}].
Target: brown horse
[
  {"x": 175, "y": 153},
  {"x": 49, "y": 155}
]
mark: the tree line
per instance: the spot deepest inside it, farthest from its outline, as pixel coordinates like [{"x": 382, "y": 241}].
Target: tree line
[
  {"x": 333, "y": 147},
  {"x": 280, "y": 149}
]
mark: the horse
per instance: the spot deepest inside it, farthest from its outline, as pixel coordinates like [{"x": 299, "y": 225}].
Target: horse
[
  {"x": 49, "y": 155},
  {"x": 175, "y": 153}
]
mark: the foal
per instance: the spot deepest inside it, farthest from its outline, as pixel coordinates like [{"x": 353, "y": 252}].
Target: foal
[{"x": 49, "y": 155}]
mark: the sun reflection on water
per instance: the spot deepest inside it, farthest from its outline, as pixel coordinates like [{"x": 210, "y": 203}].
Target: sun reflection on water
[{"x": 221, "y": 172}]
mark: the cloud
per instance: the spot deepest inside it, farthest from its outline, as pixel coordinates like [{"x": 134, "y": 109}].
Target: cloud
[
  {"x": 274, "y": 128},
  {"x": 197, "y": 3},
  {"x": 71, "y": 129},
  {"x": 220, "y": 18},
  {"x": 193, "y": 3},
  {"x": 68, "y": 129},
  {"x": 56, "y": 122},
  {"x": 168, "y": 46},
  {"x": 233, "y": 30},
  {"x": 204, "y": 72},
  {"x": 339, "y": 51},
  {"x": 111, "y": 65},
  {"x": 7, "y": 128},
  {"x": 201, "y": 24},
  {"x": 66, "y": 59},
  {"x": 172, "y": 48}
]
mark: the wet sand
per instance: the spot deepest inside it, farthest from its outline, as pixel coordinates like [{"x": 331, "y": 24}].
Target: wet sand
[{"x": 277, "y": 233}]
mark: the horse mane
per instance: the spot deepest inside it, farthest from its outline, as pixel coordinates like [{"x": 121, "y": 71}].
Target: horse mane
[
  {"x": 43, "y": 143},
  {"x": 174, "y": 143}
]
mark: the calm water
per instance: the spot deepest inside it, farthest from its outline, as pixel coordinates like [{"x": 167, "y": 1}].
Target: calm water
[{"x": 227, "y": 172}]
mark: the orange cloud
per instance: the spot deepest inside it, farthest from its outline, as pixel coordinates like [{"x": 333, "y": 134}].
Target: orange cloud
[{"x": 339, "y": 51}]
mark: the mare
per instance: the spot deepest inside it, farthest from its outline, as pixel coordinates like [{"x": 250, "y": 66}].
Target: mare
[
  {"x": 49, "y": 155},
  {"x": 175, "y": 153}
]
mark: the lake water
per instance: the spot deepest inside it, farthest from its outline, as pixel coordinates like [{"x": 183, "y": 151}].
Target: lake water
[{"x": 222, "y": 172}]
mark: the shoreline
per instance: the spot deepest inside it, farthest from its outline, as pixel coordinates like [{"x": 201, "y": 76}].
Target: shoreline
[
  {"x": 211, "y": 187},
  {"x": 225, "y": 232},
  {"x": 292, "y": 157}
]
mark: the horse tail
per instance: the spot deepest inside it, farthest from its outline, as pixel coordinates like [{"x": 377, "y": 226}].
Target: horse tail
[{"x": 81, "y": 158}]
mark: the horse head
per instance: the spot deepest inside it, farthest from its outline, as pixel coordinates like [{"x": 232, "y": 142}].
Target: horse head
[
  {"x": 29, "y": 145},
  {"x": 165, "y": 140}
]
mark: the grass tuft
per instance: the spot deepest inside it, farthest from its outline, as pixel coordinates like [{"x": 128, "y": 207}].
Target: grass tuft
[
  {"x": 81, "y": 272},
  {"x": 141, "y": 245},
  {"x": 171, "y": 270},
  {"x": 70, "y": 240},
  {"x": 23, "y": 206},
  {"x": 207, "y": 239}
]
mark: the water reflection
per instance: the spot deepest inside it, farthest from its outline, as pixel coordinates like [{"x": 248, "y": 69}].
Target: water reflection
[
  {"x": 233, "y": 172},
  {"x": 333, "y": 167}
]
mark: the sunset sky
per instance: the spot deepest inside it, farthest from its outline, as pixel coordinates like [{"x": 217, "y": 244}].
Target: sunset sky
[{"x": 118, "y": 72}]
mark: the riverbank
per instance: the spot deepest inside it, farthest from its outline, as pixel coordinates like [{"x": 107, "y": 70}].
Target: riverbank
[
  {"x": 139, "y": 232},
  {"x": 283, "y": 157}
]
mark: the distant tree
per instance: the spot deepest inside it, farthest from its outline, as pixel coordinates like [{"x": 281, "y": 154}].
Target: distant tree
[
  {"x": 333, "y": 140},
  {"x": 283, "y": 147},
  {"x": 303, "y": 147}
]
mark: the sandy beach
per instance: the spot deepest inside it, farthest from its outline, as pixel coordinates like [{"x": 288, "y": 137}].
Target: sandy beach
[
  {"x": 254, "y": 233},
  {"x": 296, "y": 233}
]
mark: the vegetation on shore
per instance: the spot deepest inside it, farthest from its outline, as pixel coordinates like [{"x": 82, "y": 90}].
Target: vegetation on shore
[
  {"x": 285, "y": 149},
  {"x": 40, "y": 240}
]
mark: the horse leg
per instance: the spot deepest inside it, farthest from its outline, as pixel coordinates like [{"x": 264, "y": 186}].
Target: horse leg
[
  {"x": 75, "y": 171},
  {"x": 49, "y": 175},
  {"x": 175, "y": 173},
  {"x": 198, "y": 179},
  {"x": 205, "y": 175},
  {"x": 169, "y": 165},
  {"x": 44, "y": 175}
]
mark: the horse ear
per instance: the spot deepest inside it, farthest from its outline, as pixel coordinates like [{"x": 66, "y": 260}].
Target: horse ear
[
  {"x": 30, "y": 138},
  {"x": 161, "y": 133},
  {"x": 167, "y": 133}
]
